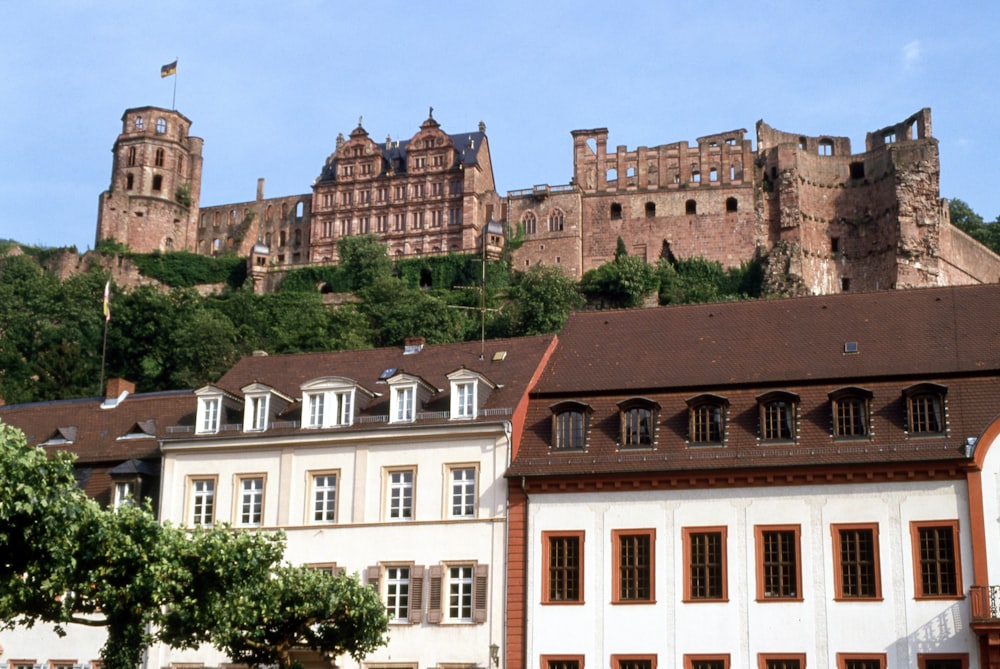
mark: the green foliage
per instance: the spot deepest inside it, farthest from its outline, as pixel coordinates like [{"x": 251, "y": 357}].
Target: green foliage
[
  {"x": 441, "y": 272},
  {"x": 183, "y": 194},
  {"x": 965, "y": 219},
  {"x": 543, "y": 299},
  {"x": 623, "y": 282},
  {"x": 182, "y": 269},
  {"x": 620, "y": 250},
  {"x": 110, "y": 246},
  {"x": 364, "y": 259},
  {"x": 332, "y": 278},
  {"x": 396, "y": 311},
  {"x": 698, "y": 280}
]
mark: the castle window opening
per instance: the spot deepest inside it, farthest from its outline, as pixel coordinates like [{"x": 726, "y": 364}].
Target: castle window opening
[
  {"x": 802, "y": 143},
  {"x": 399, "y": 222},
  {"x": 161, "y": 126},
  {"x": 204, "y": 221},
  {"x": 650, "y": 209},
  {"x": 556, "y": 221},
  {"x": 845, "y": 284},
  {"x": 269, "y": 215},
  {"x": 558, "y": 260},
  {"x": 857, "y": 170},
  {"x": 159, "y": 158},
  {"x": 825, "y": 147},
  {"x": 713, "y": 174},
  {"x": 216, "y": 219},
  {"x": 299, "y": 210},
  {"x": 168, "y": 244},
  {"x": 835, "y": 245},
  {"x": 731, "y": 141},
  {"x": 366, "y": 168},
  {"x": 131, "y": 156},
  {"x": 731, "y": 204},
  {"x": 690, "y": 207},
  {"x": 616, "y": 211},
  {"x": 232, "y": 216},
  {"x": 298, "y": 237},
  {"x": 281, "y": 238},
  {"x": 889, "y": 137},
  {"x": 732, "y": 172},
  {"x": 327, "y": 230},
  {"x": 180, "y": 164},
  {"x": 912, "y": 132},
  {"x": 382, "y": 223},
  {"x": 138, "y": 123},
  {"x": 696, "y": 176},
  {"x": 455, "y": 216},
  {"x": 348, "y": 171},
  {"x": 677, "y": 178},
  {"x": 267, "y": 239},
  {"x": 284, "y": 210},
  {"x": 456, "y": 187},
  {"x": 157, "y": 183},
  {"x": 774, "y": 172},
  {"x": 418, "y": 220},
  {"x": 129, "y": 181},
  {"x": 630, "y": 173},
  {"x": 529, "y": 223},
  {"x": 611, "y": 176},
  {"x": 216, "y": 244},
  {"x": 345, "y": 227}
]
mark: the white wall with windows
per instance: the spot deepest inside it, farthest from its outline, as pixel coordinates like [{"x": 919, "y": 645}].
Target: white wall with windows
[{"x": 753, "y": 613}]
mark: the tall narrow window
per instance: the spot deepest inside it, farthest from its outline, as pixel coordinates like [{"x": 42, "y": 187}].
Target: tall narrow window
[
  {"x": 397, "y": 593},
  {"x": 159, "y": 157},
  {"x": 850, "y": 413},
  {"x": 936, "y": 562},
  {"x": 925, "y": 409},
  {"x": 316, "y": 405},
  {"x": 705, "y": 562},
  {"x": 706, "y": 415},
  {"x": 777, "y": 416},
  {"x": 251, "y": 501},
  {"x": 778, "y": 568},
  {"x": 202, "y": 502},
  {"x": 404, "y": 403},
  {"x": 209, "y": 422},
  {"x": 400, "y": 500},
  {"x": 556, "y": 221},
  {"x": 125, "y": 494},
  {"x": 460, "y": 584},
  {"x": 569, "y": 425},
  {"x": 529, "y": 223},
  {"x": 466, "y": 399},
  {"x": 633, "y": 565},
  {"x": 324, "y": 502},
  {"x": 856, "y": 561},
  {"x": 463, "y": 492},
  {"x": 563, "y": 560}
]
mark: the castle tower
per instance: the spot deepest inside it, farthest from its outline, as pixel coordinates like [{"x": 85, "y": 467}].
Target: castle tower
[{"x": 152, "y": 202}]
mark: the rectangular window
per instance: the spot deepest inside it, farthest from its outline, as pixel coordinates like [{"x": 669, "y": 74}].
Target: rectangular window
[
  {"x": 397, "y": 593},
  {"x": 455, "y": 216},
  {"x": 563, "y": 564},
  {"x": 418, "y": 220},
  {"x": 257, "y": 413},
  {"x": 124, "y": 494},
  {"x": 202, "y": 493},
  {"x": 316, "y": 403},
  {"x": 633, "y": 662},
  {"x": 466, "y": 400},
  {"x": 324, "y": 498},
  {"x": 633, "y": 565},
  {"x": 251, "y": 500},
  {"x": 399, "y": 222},
  {"x": 400, "y": 499},
  {"x": 561, "y": 662},
  {"x": 942, "y": 661},
  {"x": 937, "y": 571},
  {"x": 345, "y": 410},
  {"x": 210, "y": 414},
  {"x": 705, "y": 560},
  {"x": 404, "y": 403},
  {"x": 855, "y": 556},
  {"x": 460, "y": 582},
  {"x": 779, "y": 573},
  {"x": 463, "y": 492},
  {"x": 706, "y": 424},
  {"x": 850, "y": 417},
  {"x": 861, "y": 661},
  {"x": 382, "y": 223},
  {"x": 706, "y": 662},
  {"x": 781, "y": 661}
]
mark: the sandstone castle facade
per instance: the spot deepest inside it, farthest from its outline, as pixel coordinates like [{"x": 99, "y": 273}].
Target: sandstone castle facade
[{"x": 825, "y": 219}]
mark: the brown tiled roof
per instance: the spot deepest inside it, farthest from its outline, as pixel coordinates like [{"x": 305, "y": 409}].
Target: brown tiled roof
[
  {"x": 950, "y": 336},
  {"x": 509, "y": 363}
]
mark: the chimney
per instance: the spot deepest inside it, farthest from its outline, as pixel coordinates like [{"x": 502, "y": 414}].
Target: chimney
[
  {"x": 260, "y": 189},
  {"x": 413, "y": 345},
  {"x": 118, "y": 386}
]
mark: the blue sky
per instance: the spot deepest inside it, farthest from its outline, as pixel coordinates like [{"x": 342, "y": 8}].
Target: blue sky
[{"x": 269, "y": 85}]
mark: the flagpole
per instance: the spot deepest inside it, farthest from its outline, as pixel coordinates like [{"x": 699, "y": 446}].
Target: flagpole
[
  {"x": 107, "y": 319},
  {"x": 173, "y": 102}
]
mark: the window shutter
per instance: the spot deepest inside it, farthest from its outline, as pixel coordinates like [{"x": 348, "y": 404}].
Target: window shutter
[
  {"x": 480, "y": 594},
  {"x": 372, "y": 575},
  {"x": 416, "y": 594},
  {"x": 434, "y": 599}
]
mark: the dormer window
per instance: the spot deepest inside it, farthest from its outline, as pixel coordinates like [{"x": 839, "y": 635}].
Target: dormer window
[
  {"x": 255, "y": 414},
  {"x": 260, "y": 403},
  {"x": 469, "y": 390},
  {"x": 409, "y": 393},
  {"x": 778, "y": 416},
  {"x": 637, "y": 418},
  {"x": 330, "y": 401},
  {"x": 707, "y": 420},
  {"x": 925, "y": 409},
  {"x": 851, "y": 408},
  {"x": 126, "y": 494},
  {"x": 570, "y": 422},
  {"x": 212, "y": 403}
]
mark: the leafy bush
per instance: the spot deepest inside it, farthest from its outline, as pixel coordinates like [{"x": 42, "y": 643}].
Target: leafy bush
[
  {"x": 182, "y": 269},
  {"x": 310, "y": 279}
]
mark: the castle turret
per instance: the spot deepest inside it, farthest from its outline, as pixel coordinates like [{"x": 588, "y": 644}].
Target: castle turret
[{"x": 152, "y": 202}]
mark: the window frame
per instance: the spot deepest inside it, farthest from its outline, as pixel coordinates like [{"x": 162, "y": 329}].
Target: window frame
[
  {"x": 762, "y": 565},
  {"x": 561, "y": 661},
  {"x": 915, "y": 397},
  {"x": 777, "y": 398},
  {"x": 916, "y": 526},
  {"x": 837, "y": 531},
  {"x": 467, "y": 592},
  {"x": 451, "y": 470},
  {"x": 723, "y": 567},
  {"x": 390, "y": 486},
  {"x": 699, "y": 403},
  {"x": 125, "y": 492},
  {"x": 548, "y": 569},
  {"x": 620, "y": 661},
  {"x": 240, "y": 498},
  {"x": 191, "y": 502},
  {"x": 619, "y": 575},
  {"x": 924, "y": 658},
  {"x": 208, "y": 419},
  {"x": 567, "y": 410},
  {"x": 637, "y": 406},
  {"x": 255, "y": 412},
  {"x": 404, "y": 404},
  {"x": 691, "y": 659},
  {"x": 313, "y": 490},
  {"x": 764, "y": 658},
  {"x": 842, "y": 397},
  {"x": 390, "y": 609},
  {"x": 844, "y": 658}
]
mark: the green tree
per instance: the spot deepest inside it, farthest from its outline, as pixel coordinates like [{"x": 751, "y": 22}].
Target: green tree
[
  {"x": 395, "y": 311},
  {"x": 364, "y": 259},
  {"x": 623, "y": 282},
  {"x": 965, "y": 219},
  {"x": 543, "y": 299}
]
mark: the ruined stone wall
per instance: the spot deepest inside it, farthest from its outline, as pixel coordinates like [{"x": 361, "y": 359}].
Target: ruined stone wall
[
  {"x": 282, "y": 224},
  {"x": 548, "y": 223},
  {"x": 964, "y": 260}
]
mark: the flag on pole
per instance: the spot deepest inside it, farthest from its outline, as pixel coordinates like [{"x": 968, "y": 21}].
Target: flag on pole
[
  {"x": 107, "y": 302},
  {"x": 168, "y": 69}
]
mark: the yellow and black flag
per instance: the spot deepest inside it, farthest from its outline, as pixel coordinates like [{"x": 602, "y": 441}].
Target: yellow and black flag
[{"x": 168, "y": 69}]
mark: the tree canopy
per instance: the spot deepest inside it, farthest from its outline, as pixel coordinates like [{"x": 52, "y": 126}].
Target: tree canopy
[{"x": 65, "y": 560}]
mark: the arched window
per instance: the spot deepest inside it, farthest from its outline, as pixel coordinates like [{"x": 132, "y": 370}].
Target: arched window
[
  {"x": 138, "y": 123},
  {"x": 778, "y": 416},
  {"x": 569, "y": 425},
  {"x": 556, "y": 221},
  {"x": 529, "y": 223},
  {"x": 161, "y": 126},
  {"x": 851, "y": 413},
  {"x": 690, "y": 207},
  {"x": 925, "y": 409},
  {"x": 637, "y": 418},
  {"x": 707, "y": 419},
  {"x": 159, "y": 157}
]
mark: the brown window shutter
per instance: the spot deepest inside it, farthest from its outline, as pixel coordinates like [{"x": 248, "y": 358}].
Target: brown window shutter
[
  {"x": 372, "y": 575},
  {"x": 434, "y": 599},
  {"x": 416, "y": 594},
  {"x": 480, "y": 594}
]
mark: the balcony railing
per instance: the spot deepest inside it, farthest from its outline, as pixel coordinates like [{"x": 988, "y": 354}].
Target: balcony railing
[{"x": 985, "y": 603}]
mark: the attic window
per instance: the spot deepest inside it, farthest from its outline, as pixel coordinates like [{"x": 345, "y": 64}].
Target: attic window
[
  {"x": 62, "y": 435},
  {"x": 499, "y": 355},
  {"x": 141, "y": 430},
  {"x": 386, "y": 373},
  {"x": 850, "y": 347}
]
